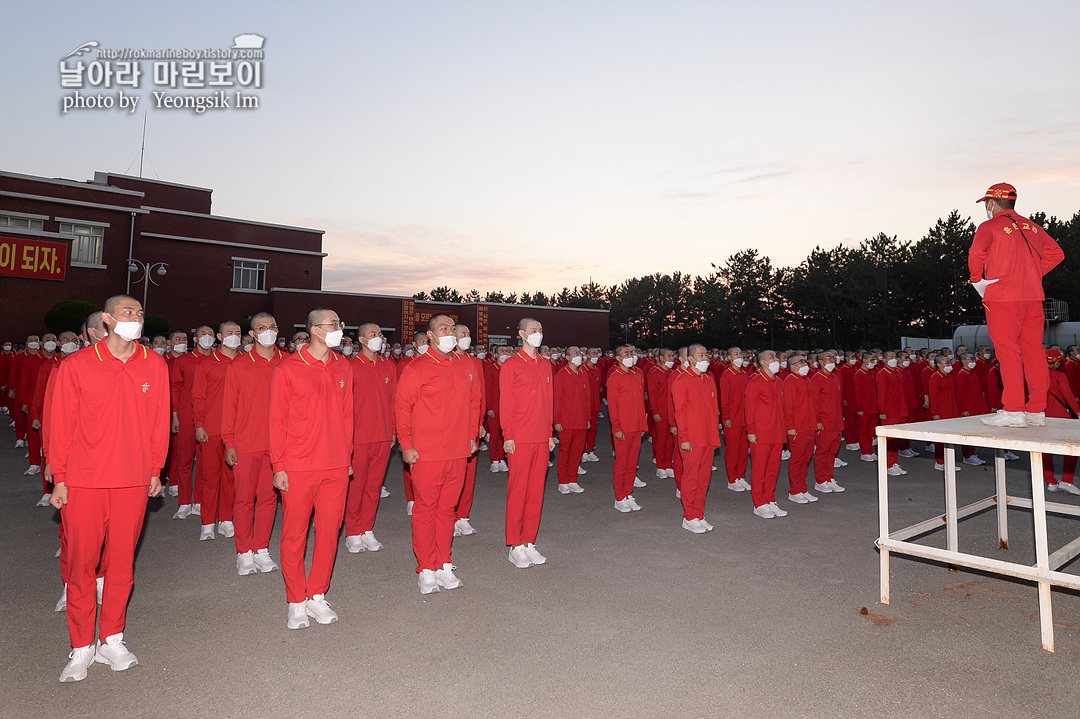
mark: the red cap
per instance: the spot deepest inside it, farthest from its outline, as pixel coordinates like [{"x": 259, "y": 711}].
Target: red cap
[
  {"x": 1000, "y": 191},
  {"x": 1053, "y": 356}
]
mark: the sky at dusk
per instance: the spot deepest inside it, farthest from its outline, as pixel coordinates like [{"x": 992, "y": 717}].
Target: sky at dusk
[{"x": 520, "y": 145}]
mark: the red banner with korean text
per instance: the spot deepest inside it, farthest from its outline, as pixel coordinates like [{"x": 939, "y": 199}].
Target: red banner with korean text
[
  {"x": 407, "y": 309},
  {"x": 481, "y": 325},
  {"x": 37, "y": 259}
]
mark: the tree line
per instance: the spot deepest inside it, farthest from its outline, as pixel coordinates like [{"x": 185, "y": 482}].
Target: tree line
[{"x": 847, "y": 297}]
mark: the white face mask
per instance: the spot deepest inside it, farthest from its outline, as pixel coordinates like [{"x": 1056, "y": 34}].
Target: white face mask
[
  {"x": 50, "y": 346},
  {"x": 180, "y": 348},
  {"x": 397, "y": 351},
  {"x": 232, "y": 341},
  {"x": 852, "y": 361},
  {"x": 502, "y": 358},
  {"x": 375, "y": 344},
  {"x": 535, "y": 339},
  {"x": 669, "y": 364},
  {"x": 774, "y": 366},
  {"x": 628, "y": 362},
  {"x": 989, "y": 212},
  {"x": 784, "y": 364},
  {"x": 702, "y": 365},
  {"x": 159, "y": 350},
  {"x": 422, "y": 349},
  {"x": 576, "y": 361},
  {"x": 206, "y": 341},
  {"x": 738, "y": 362},
  {"x": 267, "y": 337},
  {"x": 986, "y": 356},
  {"x": 947, "y": 369},
  {"x": 7, "y": 348},
  {"x": 594, "y": 360},
  {"x": 971, "y": 365},
  {"x": 409, "y": 353},
  {"x": 347, "y": 350},
  {"x": 333, "y": 339},
  {"x": 464, "y": 343},
  {"x": 481, "y": 355},
  {"x": 892, "y": 362},
  {"x": 33, "y": 345},
  {"x": 906, "y": 363},
  {"x": 68, "y": 347},
  {"x": 830, "y": 366},
  {"x": 447, "y": 344},
  {"x": 130, "y": 331},
  {"x": 804, "y": 370},
  {"x": 301, "y": 346}
]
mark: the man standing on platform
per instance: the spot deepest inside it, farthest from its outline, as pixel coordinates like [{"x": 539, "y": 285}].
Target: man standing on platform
[
  {"x": 1007, "y": 260},
  {"x": 526, "y": 399},
  {"x": 311, "y": 443}
]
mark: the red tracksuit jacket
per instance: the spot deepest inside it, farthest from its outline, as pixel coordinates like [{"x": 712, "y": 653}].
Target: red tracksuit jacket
[
  {"x": 311, "y": 413},
  {"x": 374, "y": 392},
  {"x": 696, "y": 411},
  {"x": 829, "y": 400},
  {"x": 573, "y": 400},
  {"x": 208, "y": 390},
  {"x": 245, "y": 408},
  {"x": 626, "y": 400},
  {"x": 1015, "y": 251},
  {"x": 526, "y": 399},
  {"x": 800, "y": 409},
  {"x": 765, "y": 409},
  {"x": 438, "y": 406}
]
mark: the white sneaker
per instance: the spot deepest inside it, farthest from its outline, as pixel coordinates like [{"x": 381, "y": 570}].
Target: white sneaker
[
  {"x": 370, "y": 543},
  {"x": 446, "y": 578},
  {"x": 44, "y": 501},
  {"x": 975, "y": 460},
  {"x": 226, "y": 528},
  {"x": 1006, "y": 419},
  {"x": 298, "y": 615},
  {"x": 62, "y": 604},
  {"x": 868, "y": 457},
  {"x": 483, "y": 447},
  {"x": 693, "y": 525},
  {"x": 207, "y": 532},
  {"x": 503, "y": 466},
  {"x": 638, "y": 483},
  {"x": 519, "y": 558},
  {"x": 776, "y": 509},
  {"x": 809, "y": 497},
  {"x": 57, "y": 555},
  {"x": 592, "y": 457},
  {"x": 764, "y": 511},
  {"x": 19, "y": 442},
  {"x": 661, "y": 474},
  {"x": 838, "y": 463},
  {"x": 550, "y": 463},
  {"x": 32, "y": 469},
  {"x": 1068, "y": 487},
  {"x": 384, "y": 492},
  {"x": 408, "y": 508},
  {"x": 556, "y": 441},
  {"x": 896, "y": 471},
  {"x": 495, "y": 467},
  {"x": 196, "y": 509},
  {"x": 852, "y": 445},
  {"x": 464, "y": 526},
  {"x": 115, "y": 654},
  {"x": 678, "y": 493},
  {"x": 99, "y": 587},
  {"x": 174, "y": 491},
  {"x": 353, "y": 544},
  {"x": 908, "y": 453},
  {"x": 183, "y": 512},
  {"x": 797, "y": 498},
  {"x": 941, "y": 467},
  {"x": 930, "y": 447},
  {"x": 564, "y": 488},
  {"x": 634, "y": 506},
  {"x": 534, "y": 554},
  {"x": 742, "y": 483},
  {"x": 581, "y": 470},
  {"x": 319, "y": 609},
  {"x": 245, "y": 564},
  {"x": 1036, "y": 419},
  {"x": 79, "y": 660},
  {"x": 427, "y": 581},
  {"x": 785, "y": 455},
  {"x": 1009, "y": 456},
  {"x": 823, "y": 487},
  {"x": 708, "y": 527},
  {"x": 623, "y": 505},
  {"x": 576, "y": 488},
  {"x": 834, "y": 486},
  {"x": 263, "y": 561}
]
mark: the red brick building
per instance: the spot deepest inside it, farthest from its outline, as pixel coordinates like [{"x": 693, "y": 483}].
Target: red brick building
[{"x": 67, "y": 240}]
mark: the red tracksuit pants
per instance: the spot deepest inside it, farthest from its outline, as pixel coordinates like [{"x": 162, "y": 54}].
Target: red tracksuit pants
[
  {"x": 525, "y": 492},
  {"x": 437, "y": 488},
  {"x": 851, "y": 426},
  {"x": 255, "y": 501},
  {"x": 867, "y": 423},
  {"x": 677, "y": 465},
  {"x": 764, "y": 471},
  {"x": 216, "y": 479},
  {"x": 893, "y": 445},
  {"x": 697, "y": 473},
  {"x": 571, "y": 447},
  {"x": 663, "y": 445},
  {"x": 369, "y": 462},
  {"x": 590, "y": 433},
  {"x": 22, "y": 423},
  {"x": 33, "y": 445},
  {"x": 182, "y": 464},
  {"x": 1068, "y": 470},
  {"x": 407, "y": 476},
  {"x": 828, "y": 446},
  {"x": 495, "y": 439},
  {"x": 735, "y": 452},
  {"x": 802, "y": 450},
  {"x": 627, "y": 452},
  {"x": 324, "y": 492},
  {"x": 1016, "y": 331},
  {"x": 464, "y": 504},
  {"x": 100, "y": 526}
]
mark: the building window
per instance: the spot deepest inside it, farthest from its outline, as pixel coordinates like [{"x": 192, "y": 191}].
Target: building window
[
  {"x": 86, "y": 242},
  {"x": 249, "y": 275},
  {"x": 21, "y": 222}
]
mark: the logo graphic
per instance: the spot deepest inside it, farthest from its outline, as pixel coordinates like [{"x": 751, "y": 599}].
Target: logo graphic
[
  {"x": 341, "y": 383},
  {"x": 249, "y": 41},
  {"x": 146, "y": 387},
  {"x": 82, "y": 49}
]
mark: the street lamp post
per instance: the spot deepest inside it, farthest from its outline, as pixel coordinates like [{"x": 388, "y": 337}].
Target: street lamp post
[
  {"x": 626, "y": 327},
  {"x": 147, "y": 269}
]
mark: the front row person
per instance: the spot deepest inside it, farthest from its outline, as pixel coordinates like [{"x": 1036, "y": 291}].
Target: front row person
[{"x": 765, "y": 432}]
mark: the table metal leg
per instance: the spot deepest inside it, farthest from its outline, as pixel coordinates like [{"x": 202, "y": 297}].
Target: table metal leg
[
  {"x": 883, "y": 517},
  {"x": 951, "y": 540},
  {"x": 1002, "y": 499},
  {"x": 1038, "y": 508}
]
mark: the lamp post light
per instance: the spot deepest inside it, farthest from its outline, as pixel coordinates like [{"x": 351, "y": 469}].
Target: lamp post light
[
  {"x": 626, "y": 327},
  {"x": 147, "y": 269}
]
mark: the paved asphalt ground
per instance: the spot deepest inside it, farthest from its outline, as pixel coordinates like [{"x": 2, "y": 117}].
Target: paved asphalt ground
[{"x": 631, "y": 617}]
